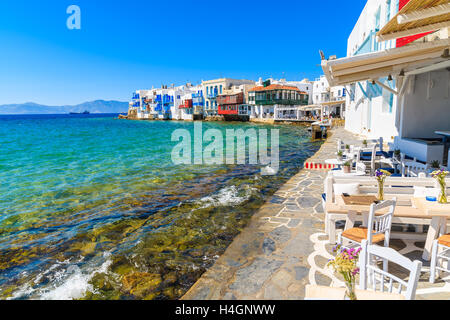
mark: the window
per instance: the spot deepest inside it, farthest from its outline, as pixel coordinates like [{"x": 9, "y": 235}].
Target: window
[
  {"x": 388, "y": 10},
  {"x": 388, "y": 101},
  {"x": 220, "y": 89},
  {"x": 377, "y": 19}
]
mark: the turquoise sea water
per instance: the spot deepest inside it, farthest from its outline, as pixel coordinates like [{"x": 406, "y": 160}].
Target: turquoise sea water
[{"x": 92, "y": 206}]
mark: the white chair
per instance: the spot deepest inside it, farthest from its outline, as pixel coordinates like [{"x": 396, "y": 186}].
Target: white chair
[
  {"x": 380, "y": 227},
  {"x": 372, "y": 160},
  {"x": 340, "y": 145},
  {"x": 360, "y": 167},
  {"x": 440, "y": 253},
  {"x": 370, "y": 273},
  {"x": 414, "y": 168}
]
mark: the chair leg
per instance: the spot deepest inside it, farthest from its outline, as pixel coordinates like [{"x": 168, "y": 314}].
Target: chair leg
[
  {"x": 433, "y": 263},
  {"x": 419, "y": 228},
  {"x": 332, "y": 231}
]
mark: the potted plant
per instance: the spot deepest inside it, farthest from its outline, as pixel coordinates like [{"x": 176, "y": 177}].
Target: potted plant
[
  {"x": 381, "y": 175},
  {"x": 347, "y": 166},
  {"x": 397, "y": 154},
  {"x": 440, "y": 175},
  {"x": 435, "y": 164},
  {"x": 364, "y": 143},
  {"x": 346, "y": 264},
  {"x": 347, "y": 147},
  {"x": 340, "y": 154}
]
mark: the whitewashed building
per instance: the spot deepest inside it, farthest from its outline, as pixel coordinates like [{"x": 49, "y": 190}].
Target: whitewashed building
[
  {"x": 397, "y": 76},
  {"x": 331, "y": 99}
]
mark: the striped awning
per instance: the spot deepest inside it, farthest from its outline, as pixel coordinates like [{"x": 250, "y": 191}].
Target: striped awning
[{"x": 417, "y": 16}]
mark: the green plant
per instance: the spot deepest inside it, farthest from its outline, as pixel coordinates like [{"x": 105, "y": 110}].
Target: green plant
[
  {"x": 364, "y": 143},
  {"x": 347, "y": 163},
  {"x": 435, "y": 164},
  {"x": 340, "y": 154},
  {"x": 347, "y": 147}
]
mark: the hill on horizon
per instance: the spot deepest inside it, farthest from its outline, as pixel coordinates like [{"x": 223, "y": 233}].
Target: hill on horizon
[{"x": 97, "y": 106}]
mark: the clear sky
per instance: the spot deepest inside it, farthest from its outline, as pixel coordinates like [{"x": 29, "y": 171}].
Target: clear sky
[{"x": 135, "y": 44}]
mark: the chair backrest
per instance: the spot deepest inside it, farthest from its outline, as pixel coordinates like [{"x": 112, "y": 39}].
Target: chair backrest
[
  {"x": 340, "y": 145},
  {"x": 382, "y": 280},
  {"x": 402, "y": 188},
  {"x": 381, "y": 224},
  {"x": 360, "y": 167},
  {"x": 381, "y": 143},
  {"x": 413, "y": 168},
  {"x": 372, "y": 160}
]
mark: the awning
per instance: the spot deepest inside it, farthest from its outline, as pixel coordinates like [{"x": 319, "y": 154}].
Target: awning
[
  {"x": 332, "y": 103},
  {"x": 310, "y": 107},
  {"x": 417, "y": 16},
  {"x": 432, "y": 55}
]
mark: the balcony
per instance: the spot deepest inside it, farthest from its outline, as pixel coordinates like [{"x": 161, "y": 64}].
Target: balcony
[
  {"x": 230, "y": 99},
  {"x": 187, "y": 104},
  {"x": 212, "y": 95},
  {"x": 288, "y": 102}
]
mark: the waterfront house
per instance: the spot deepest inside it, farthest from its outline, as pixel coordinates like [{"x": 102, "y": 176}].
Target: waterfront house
[
  {"x": 232, "y": 104},
  {"x": 397, "y": 76},
  {"x": 192, "y": 103},
  {"x": 213, "y": 88},
  {"x": 328, "y": 100},
  {"x": 270, "y": 101}
]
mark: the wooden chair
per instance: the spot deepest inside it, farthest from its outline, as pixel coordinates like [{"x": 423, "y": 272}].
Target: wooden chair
[
  {"x": 440, "y": 253},
  {"x": 380, "y": 227},
  {"x": 381, "y": 280}
]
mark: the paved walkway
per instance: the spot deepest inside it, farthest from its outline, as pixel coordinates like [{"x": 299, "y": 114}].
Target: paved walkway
[{"x": 284, "y": 247}]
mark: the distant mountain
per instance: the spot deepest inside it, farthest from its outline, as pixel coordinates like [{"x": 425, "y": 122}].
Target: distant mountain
[{"x": 98, "y": 106}]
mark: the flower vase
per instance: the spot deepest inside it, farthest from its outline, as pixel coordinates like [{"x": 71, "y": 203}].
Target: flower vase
[
  {"x": 350, "y": 291},
  {"x": 442, "y": 194},
  {"x": 380, "y": 195}
]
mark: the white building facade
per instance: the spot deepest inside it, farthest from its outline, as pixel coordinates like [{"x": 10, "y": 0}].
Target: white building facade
[{"x": 370, "y": 109}]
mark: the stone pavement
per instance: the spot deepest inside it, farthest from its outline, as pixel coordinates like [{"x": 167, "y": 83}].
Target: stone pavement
[{"x": 285, "y": 248}]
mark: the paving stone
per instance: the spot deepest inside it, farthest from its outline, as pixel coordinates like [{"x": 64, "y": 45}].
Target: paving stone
[
  {"x": 294, "y": 223},
  {"x": 251, "y": 278},
  {"x": 282, "y": 278},
  {"x": 300, "y": 272},
  {"x": 281, "y": 234},
  {"x": 322, "y": 280},
  {"x": 307, "y": 202},
  {"x": 268, "y": 246},
  {"x": 271, "y": 292},
  {"x": 277, "y": 199}
]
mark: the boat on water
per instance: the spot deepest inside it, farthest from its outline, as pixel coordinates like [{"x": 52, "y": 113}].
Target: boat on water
[{"x": 85, "y": 112}]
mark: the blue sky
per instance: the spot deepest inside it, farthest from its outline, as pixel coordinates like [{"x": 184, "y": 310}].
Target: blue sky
[{"x": 133, "y": 44}]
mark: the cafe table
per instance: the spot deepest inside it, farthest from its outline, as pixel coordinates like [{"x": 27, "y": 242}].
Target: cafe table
[
  {"x": 439, "y": 214},
  {"x": 419, "y": 208},
  {"x": 313, "y": 292}
]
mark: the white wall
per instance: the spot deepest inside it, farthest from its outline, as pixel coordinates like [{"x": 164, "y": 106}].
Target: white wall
[
  {"x": 370, "y": 117},
  {"x": 427, "y": 108}
]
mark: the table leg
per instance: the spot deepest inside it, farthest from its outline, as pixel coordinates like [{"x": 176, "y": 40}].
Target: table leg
[
  {"x": 350, "y": 220},
  {"x": 433, "y": 233}
]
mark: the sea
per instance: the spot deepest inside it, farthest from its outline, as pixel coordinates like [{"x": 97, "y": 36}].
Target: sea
[{"x": 93, "y": 207}]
